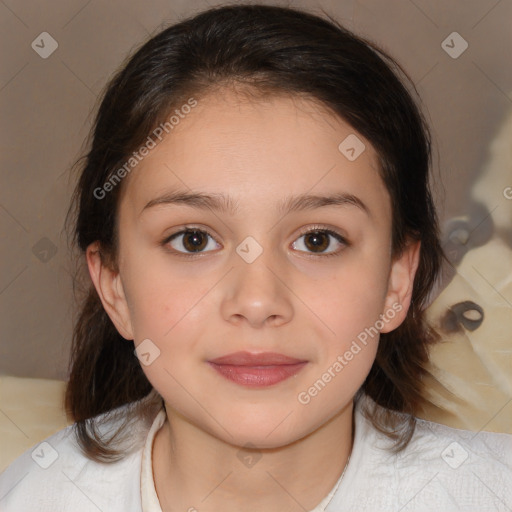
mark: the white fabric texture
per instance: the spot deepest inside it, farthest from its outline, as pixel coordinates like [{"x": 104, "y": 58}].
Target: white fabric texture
[{"x": 441, "y": 469}]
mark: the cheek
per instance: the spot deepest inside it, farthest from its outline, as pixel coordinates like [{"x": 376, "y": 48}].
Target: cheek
[
  {"x": 349, "y": 306},
  {"x": 347, "y": 350},
  {"x": 349, "y": 299},
  {"x": 162, "y": 302},
  {"x": 172, "y": 314}
]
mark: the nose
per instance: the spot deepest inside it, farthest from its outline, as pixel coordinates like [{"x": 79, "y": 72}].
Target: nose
[{"x": 257, "y": 293}]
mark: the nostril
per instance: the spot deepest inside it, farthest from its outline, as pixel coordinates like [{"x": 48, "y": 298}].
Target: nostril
[{"x": 466, "y": 314}]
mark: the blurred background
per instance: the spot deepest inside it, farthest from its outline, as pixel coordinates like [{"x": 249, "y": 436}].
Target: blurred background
[{"x": 58, "y": 55}]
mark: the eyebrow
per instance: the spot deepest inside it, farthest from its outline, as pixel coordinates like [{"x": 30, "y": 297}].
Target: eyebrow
[{"x": 226, "y": 204}]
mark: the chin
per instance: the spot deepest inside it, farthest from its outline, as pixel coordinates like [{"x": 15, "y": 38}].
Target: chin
[
  {"x": 264, "y": 429},
  {"x": 257, "y": 438}
]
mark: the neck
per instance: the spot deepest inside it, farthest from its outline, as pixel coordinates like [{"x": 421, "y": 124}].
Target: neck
[{"x": 194, "y": 470}]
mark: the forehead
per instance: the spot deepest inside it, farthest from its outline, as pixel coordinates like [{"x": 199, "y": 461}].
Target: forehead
[{"x": 258, "y": 149}]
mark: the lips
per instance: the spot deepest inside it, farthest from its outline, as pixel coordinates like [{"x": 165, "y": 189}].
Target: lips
[
  {"x": 257, "y": 370},
  {"x": 262, "y": 359}
]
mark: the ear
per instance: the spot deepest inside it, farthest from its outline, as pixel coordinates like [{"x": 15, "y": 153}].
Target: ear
[
  {"x": 400, "y": 285},
  {"x": 110, "y": 290}
]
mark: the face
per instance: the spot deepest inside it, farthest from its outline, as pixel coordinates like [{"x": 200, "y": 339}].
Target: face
[{"x": 253, "y": 269}]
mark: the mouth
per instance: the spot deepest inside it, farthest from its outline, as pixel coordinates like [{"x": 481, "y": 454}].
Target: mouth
[{"x": 257, "y": 370}]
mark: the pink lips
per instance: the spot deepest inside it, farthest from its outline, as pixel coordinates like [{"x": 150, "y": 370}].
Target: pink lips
[{"x": 257, "y": 370}]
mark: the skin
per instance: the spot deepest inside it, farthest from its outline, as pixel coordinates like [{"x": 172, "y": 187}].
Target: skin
[{"x": 290, "y": 300}]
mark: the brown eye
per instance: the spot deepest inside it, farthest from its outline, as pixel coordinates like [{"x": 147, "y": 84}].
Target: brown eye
[
  {"x": 190, "y": 241},
  {"x": 317, "y": 241}
]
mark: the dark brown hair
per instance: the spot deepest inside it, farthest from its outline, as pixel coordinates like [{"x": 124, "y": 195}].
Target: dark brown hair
[{"x": 275, "y": 50}]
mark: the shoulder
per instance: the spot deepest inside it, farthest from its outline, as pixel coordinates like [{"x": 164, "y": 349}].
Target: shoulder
[
  {"x": 441, "y": 468},
  {"x": 478, "y": 451},
  {"x": 56, "y": 475},
  {"x": 472, "y": 470}
]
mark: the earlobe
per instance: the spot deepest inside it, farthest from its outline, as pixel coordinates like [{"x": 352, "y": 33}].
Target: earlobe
[
  {"x": 400, "y": 285},
  {"x": 110, "y": 289}
]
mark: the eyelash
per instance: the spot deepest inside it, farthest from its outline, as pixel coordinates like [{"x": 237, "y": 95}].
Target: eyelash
[{"x": 316, "y": 228}]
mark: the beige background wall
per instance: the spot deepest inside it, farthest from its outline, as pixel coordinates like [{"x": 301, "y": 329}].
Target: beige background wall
[{"x": 45, "y": 107}]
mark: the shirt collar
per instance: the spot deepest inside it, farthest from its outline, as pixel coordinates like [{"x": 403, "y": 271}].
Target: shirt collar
[{"x": 149, "y": 497}]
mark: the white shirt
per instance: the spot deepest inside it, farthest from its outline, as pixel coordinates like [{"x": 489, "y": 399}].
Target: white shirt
[{"x": 441, "y": 469}]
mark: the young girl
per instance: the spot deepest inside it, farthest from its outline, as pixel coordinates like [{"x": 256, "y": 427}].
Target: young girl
[{"x": 256, "y": 217}]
